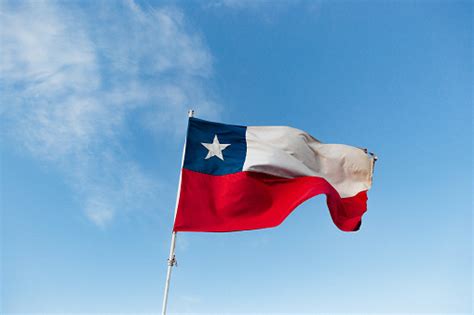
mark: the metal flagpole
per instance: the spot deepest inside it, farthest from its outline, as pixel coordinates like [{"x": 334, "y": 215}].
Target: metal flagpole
[{"x": 171, "y": 257}]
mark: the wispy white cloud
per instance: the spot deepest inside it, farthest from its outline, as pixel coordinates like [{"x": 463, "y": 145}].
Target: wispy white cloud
[
  {"x": 243, "y": 4},
  {"x": 259, "y": 4},
  {"x": 266, "y": 10},
  {"x": 71, "y": 76}
]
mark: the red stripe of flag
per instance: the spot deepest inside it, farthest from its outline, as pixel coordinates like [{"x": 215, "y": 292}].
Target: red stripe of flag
[{"x": 250, "y": 200}]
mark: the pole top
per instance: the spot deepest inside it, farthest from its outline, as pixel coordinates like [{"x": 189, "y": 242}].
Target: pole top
[{"x": 191, "y": 113}]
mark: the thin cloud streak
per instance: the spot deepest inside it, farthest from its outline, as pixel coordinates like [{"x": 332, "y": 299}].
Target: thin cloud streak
[
  {"x": 267, "y": 11},
  {"x": 254, "y": 5},
  {"x": 70, "y": 80}
]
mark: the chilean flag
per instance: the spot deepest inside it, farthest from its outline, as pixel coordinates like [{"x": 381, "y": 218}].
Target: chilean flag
[{"x": 244, "y": 178}]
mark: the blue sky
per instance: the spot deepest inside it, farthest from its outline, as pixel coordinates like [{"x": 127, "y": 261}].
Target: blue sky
[{"x": 93, "y": 113}]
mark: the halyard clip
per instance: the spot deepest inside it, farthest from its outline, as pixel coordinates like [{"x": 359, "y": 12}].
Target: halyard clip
[{"x": 173, "y": 261}]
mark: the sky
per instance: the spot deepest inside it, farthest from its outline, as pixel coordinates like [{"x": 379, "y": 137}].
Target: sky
[{"x": 93, "y": 112}]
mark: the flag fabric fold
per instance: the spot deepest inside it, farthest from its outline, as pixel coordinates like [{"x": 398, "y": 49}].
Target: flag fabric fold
[{"x": 243, "y": 178}]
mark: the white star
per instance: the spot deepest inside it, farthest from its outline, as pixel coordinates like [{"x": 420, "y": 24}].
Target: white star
[{"x": 215, "y": 148}]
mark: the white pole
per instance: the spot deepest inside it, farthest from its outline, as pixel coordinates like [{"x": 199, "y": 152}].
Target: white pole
[{"x": 171, "y": 257}]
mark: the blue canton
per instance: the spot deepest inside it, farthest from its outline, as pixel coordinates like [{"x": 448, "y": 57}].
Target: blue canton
[{"x": 202, "y": 131}]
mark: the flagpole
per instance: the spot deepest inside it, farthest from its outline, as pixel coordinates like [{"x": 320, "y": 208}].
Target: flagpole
[{"x": 171, "y": 257}]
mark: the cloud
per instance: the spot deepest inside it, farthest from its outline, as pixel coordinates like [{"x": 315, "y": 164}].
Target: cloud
[
  {"x": 259, "y": 4},
  {"x": 242, "y": 4},
  {"x": 268, "y": 11},
  {"x": 72, "y": 75}
]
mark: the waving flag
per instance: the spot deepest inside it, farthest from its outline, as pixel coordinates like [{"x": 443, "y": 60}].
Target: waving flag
[{"x": 243, "y": 178}]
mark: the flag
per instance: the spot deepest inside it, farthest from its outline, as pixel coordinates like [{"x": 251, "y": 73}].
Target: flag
[{"x": 244, "y": 178}]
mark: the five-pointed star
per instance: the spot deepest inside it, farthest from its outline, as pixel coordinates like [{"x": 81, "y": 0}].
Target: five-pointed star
[{"x": 215, "y": 148}]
